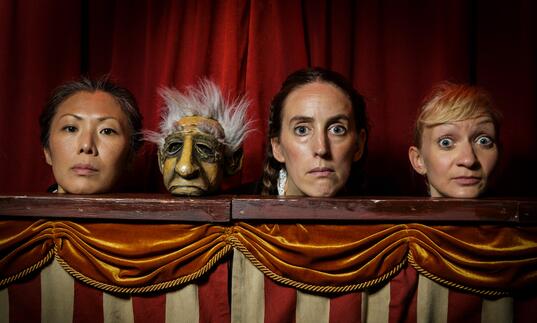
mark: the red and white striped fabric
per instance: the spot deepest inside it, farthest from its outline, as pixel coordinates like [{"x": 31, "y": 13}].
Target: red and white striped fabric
[
  {"x": 54, "y": 296},
  {"x": 408, "y": 297}
]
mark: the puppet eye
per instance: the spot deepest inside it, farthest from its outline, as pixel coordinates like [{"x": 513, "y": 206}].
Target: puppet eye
[
  {"x": 204, "y": 149},
  {"x": 174, "y": 148}
]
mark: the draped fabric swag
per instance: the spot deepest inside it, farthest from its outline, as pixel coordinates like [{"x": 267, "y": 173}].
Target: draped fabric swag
[{"x": 138, "y": 258}]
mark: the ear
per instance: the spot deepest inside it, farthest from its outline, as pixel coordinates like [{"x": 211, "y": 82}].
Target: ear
[
  {"x": 160, "y": 160},
  {"x": 416, "y": 160},
  {"x": 361, "y": 145},
  {"x": 234, "y": 162},
  {"x": 277, "y": 149},
  {"x": 46, "y": 151}
]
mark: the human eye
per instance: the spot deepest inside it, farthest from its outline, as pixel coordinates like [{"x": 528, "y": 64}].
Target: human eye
[
  {"x": 485, "y": 141},
  {"x": 108, "y": 131},
  {"x": 301, "y": 130},
  {"x": 445, "y": 143},
  {"x": 174, "y": 147},
  {"x": 69, "y": 128},
  {"x": 338, "y": 130}
]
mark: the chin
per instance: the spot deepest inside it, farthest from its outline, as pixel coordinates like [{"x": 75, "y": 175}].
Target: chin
[
  {"x": 323, "y": 193},
  {"x": 468, "y": 195},
  {"x": 84, "y": 191},
  {"x": 464, "y": 194}
]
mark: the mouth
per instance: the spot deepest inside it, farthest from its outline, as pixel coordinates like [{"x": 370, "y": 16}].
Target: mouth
[
  {"x": 467, "y": 180},
  {"x": 84, "y": 169},
  {"x": 187, "y": 190},
  {"x": 321, "y": 171}
]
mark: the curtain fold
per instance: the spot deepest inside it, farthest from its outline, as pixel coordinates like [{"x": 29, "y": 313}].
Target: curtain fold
[
  {"x": 121, "y": 257},
  {"x": 393, "y": 52},
  {"x": 25, "y": 246}
]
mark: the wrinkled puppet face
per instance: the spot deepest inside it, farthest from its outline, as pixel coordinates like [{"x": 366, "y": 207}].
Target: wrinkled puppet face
[{"x": 191, "y": 160}]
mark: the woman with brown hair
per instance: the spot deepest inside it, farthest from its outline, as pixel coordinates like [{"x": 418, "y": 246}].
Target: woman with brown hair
[{"x": 317, "y": 136}]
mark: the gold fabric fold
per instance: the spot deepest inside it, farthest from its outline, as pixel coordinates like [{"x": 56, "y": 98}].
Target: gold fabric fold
[
  {"x": 485, "y": 257},
  {"x": 488, "y": 260},
  {"x": 144, "y": 257},
  {"x": 25, "y": 246},
  {"x": 325, "y": 255},
  {"x": 134, "y": 255}
]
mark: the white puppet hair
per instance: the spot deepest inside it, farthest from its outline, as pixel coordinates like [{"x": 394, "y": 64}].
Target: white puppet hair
[{"x": 205, "y": 100}]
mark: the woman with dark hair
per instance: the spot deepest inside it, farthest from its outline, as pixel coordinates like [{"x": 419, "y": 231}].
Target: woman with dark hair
[
  {"x": 90, "y": 131},
  {"x": 317, "y": 136}
]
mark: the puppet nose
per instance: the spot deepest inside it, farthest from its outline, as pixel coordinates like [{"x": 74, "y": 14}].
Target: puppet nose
[{"x": 186, "y": 167}]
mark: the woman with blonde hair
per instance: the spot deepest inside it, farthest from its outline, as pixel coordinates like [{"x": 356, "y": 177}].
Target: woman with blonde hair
[{"x": 456, "y": 141}]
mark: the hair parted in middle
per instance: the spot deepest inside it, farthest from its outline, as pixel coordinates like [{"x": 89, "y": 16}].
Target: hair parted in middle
[
  {"x": 121, "y": 95},
  {"x": 294, "y": 81},
  {"x": 205, "y": 100}
]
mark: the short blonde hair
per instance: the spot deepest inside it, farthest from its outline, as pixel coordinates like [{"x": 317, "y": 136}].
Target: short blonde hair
[{"x": 449, "y": 102}]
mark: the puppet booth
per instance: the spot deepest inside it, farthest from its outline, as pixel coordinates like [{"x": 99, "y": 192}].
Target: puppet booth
[{"x": 146, "y": 254}]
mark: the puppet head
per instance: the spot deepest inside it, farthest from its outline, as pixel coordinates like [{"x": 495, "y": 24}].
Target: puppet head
[{"x": 200, "y": 138}]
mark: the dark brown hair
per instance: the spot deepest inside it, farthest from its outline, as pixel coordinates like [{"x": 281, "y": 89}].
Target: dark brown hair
[
  {"x": 123, "y": 97},
  {"x": 294, "y": 81}
]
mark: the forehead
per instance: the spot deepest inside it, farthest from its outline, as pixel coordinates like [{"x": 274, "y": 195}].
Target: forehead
[
  {"x": 200, "y": 124},
  {"x": 317, "y": 100},
  {"x": 467, "y": 125},
  {"x": 91, "y": 105}
]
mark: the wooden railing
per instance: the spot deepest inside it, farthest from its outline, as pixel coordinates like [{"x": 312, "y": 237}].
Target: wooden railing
[{"x": 226, "y": 208}]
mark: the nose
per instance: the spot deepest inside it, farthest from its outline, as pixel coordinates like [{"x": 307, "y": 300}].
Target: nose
[
  {"x": 321, "y": 146},
  {"x": 86, "y": 143},
  {"x": 186, "y": 167},
  {"x": 467, "y": 157}
]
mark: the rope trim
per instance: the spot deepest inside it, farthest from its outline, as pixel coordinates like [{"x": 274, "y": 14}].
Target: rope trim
[
  {"x": 481, "y": 292},
  {"x": 146, "y": 289},
  {"x": 38, "y": 265},
  {"x": 309, "y": 287},
  {"x": 234, "y": 242}
]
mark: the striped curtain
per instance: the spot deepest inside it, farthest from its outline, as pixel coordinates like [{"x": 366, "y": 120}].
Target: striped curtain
[
  {"x": 125, "y": 272},
  {"x": 54, "y": 296},
  {"x": 408, "y": 297}
]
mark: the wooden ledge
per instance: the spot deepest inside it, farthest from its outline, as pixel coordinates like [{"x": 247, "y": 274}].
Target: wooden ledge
[
  {"x": 393, "y": 209},
  {"x": 153, "y": 207},
  {"x": 221, "y": 209}
]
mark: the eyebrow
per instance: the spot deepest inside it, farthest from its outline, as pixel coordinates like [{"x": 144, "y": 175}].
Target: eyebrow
[
  {"x": 452, "y": 123},
  {"x": 310, "y": 119},
  {"x": 487, "y": 120},
  {"x": 339, "y": 117},
  {"x": 300, "y": 119},
  {"x": 80, "y": 118}
]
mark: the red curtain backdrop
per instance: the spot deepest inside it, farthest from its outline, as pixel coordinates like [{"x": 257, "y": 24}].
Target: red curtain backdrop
[{"x": 393, "y": 51}]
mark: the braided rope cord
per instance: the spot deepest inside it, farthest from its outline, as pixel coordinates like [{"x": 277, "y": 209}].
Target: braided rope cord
[
  {"x": 233, "y": 242},
  {"x": 38, "y": 265},
  {"x": 425, "y": 273},
  {"x": 145, "y": 289},
  {"x": 309, "y": 287}
]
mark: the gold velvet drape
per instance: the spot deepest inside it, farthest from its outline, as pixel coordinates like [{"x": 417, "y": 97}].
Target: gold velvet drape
[{"x": 142, "y": 257}]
